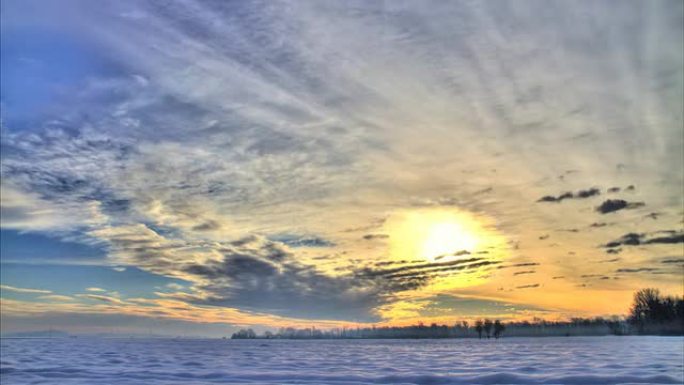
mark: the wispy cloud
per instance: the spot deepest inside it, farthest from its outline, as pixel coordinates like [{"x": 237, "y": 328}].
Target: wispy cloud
[
  {"x": 24, "y": 290},
  {"x": 56, "y": 297},
  {"x": 103, "y": 298}
]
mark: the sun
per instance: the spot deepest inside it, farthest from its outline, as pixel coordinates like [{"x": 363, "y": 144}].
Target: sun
[
  {"x": 443, "y": 238},
  {"x": 436, "y": 234}
]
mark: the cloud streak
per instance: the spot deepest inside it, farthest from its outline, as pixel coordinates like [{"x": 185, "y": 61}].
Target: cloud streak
[
  {"x": 24, "y": 290},
  {"x": 581, "y": 194}
]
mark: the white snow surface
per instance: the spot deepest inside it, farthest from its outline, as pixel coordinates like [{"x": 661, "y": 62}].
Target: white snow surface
[{"x": 569, "y": 360}]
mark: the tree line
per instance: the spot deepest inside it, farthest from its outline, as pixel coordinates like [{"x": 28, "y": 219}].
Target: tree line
[{"x": 651, "y": 313}]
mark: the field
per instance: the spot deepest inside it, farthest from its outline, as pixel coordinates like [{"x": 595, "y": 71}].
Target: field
[{"x": 552, "y": 360}]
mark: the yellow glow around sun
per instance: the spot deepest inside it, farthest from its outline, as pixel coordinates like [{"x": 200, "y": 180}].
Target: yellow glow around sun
[
  {"x": 443, "y": 238},
  {"x": 428, "y": 241},
  {"x": 439, "y": 236},
  {"x": 432, "y": 234}
]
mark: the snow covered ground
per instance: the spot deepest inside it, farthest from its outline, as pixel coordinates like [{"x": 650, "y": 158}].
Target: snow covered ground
[{"x": 574, "y": 360}]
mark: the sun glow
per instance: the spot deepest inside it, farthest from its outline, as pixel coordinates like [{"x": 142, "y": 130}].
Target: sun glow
[
  {"x": 438, "y": 236},
  {"x": 443, "y": 238},
  {"x": 432, "y": 234}
]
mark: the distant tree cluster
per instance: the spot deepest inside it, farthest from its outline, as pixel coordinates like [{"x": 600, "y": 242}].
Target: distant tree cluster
[
  {"x": 487, "y": 325},
  {"x": 480, "y": 329},
  {"x": 421, "y": 330},
  {"x": 597, "y": 326},
  {"x": 651, "y": 313},
  {"x": 244, "y": 334}
]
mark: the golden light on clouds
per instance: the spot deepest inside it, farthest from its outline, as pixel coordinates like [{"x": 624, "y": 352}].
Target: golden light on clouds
[{"x": 445, "y": 234}]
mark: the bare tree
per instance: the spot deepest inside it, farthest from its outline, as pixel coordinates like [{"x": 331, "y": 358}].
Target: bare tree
[
  {"x": 479, "y": 328},
  {"x": 488, "y": 327},
  {"x": 498, "y": 328}
]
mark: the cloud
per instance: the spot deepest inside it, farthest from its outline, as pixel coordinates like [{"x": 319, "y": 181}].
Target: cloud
[
  {"x": 103, "y": 298},
  {"x": 459, "y": 253},
  {"x": 522, "y": 264},
  {"x": 103, "y": 315},
  {"x": 24, "y": 290},
  {"x": 369, "y": 237},
  {"x": 447, "y": 307},
  {"x": 551, "y": 198},
  {"x": 207, "y": 226},
  {"x": 252, "y": 273},
  {"x": 594, "y": 276},
  {"x": 175, "y": 286},
  {"x": 658, "y": 237},
  {"x": 637, "y": 270},
  {"x": 25, "y": 211},
  {"x": 55, "y": 297},
  {"x": 581, "y": 194},
  {"x": 532, "y": 286},
  {"x": 612, "y": 205},
  {"x": 610, "y": 260},
  {"x": 302, "y": 240},
  {"x": 95, "y": 289},
  {"x": 422, "y": 268},
  {"x": 259, "y": 274},
  {"x": 671, "y": 237},
  {"x": 673, "y": 260}
]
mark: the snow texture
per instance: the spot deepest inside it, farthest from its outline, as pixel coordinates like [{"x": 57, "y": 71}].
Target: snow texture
[{"x": 573, "y": 360}]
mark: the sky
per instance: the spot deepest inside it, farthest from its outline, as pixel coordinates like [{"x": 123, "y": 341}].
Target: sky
[{"x": 195, "y": 167}]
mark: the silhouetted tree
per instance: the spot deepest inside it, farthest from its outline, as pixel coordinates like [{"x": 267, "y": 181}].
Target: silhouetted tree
[
  {"x": 479, "y": 327},
  {"x": 488, "y": 327},
  {"x": 650, "y": 308},
  {"x": 645, "y": 303},
  {"x": 498, "y": 328}
]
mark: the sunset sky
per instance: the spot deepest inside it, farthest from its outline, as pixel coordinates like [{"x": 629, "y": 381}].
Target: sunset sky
[{"x": 193, "y": 167}]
